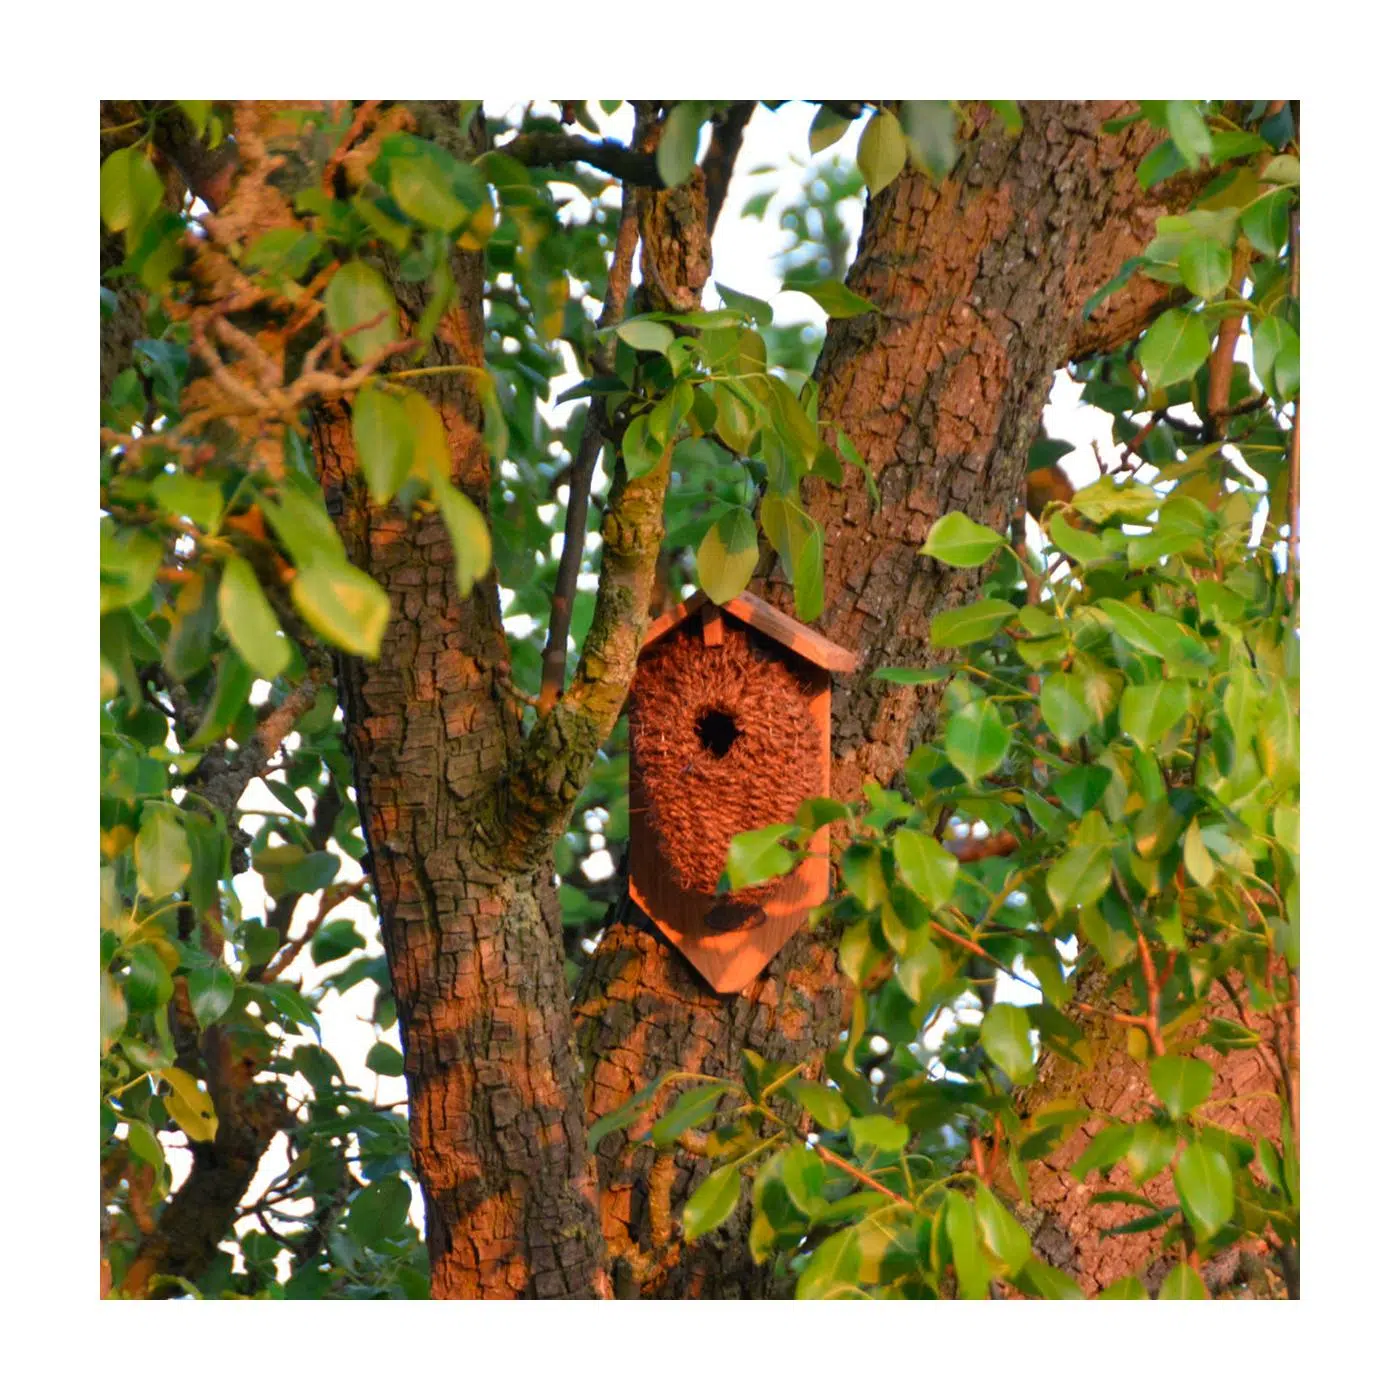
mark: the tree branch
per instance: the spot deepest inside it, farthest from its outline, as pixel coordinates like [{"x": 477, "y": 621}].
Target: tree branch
[
  {"x": 561, "y": 608},
  {"x": 726, "y": 137},
  {"x": 560, "y": 750},
  {"x": 546, "y": 148}
]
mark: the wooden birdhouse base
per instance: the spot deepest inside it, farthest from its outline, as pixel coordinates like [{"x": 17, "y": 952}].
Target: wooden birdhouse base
[{"x": 731, "y": 729}]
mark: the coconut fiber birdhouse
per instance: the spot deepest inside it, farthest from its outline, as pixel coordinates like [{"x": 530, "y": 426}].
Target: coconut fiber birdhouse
[{"x": 730, "y": 730}]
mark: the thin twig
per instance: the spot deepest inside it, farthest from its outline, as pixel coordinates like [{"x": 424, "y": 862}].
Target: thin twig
[{"x": 561, "y": 607}]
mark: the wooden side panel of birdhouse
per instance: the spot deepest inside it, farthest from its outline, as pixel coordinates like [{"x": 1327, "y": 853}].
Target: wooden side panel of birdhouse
[{"x": 727, "y": 956}]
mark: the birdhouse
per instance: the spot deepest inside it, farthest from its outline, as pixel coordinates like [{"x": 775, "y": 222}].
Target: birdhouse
[{"x": 730, "y": 731}]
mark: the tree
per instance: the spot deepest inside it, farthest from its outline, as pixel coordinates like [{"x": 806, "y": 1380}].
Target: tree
[{"x": 324, "y": 446}]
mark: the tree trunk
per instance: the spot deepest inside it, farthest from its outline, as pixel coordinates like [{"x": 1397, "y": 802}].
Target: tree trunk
[
  {"x": 461, "y": 811},
  {"x": 474, "y": 943},
  {"x": 980, "y": 281}
]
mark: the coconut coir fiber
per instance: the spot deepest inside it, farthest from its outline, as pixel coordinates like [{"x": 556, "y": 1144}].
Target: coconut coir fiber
[{"x": 724, "y": 741}]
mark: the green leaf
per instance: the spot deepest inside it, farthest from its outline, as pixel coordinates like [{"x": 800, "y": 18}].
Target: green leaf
[
  {"x": 976, "y": 739},
  {"x": 1080, "y": 876},
  {"x": 1154, "y": 633},
  {"x": 803, "y": 1177},
  {"x": 1083, "y": 546},
  {"x": 713, "y": 1202},
  {"x": 1129, "y": 1288},
  {"x": 1010, "y": 114},
  {"x": 835, "y": 1268},
  {"x": 645, "y": 335},
  {"x": 211, "y": 992},
  {"x": 906, "y": 675},
  {"x": 816, "y": 812},
  {"x": 1205, "y": 266},
  {"x": 1107, "y": 1148},
  {"x": 303, "y": 526},
  {"x": 379, "y": 1210},
  {"x": 640, "y": 451},
  {"x": 1181, "y": 1083},
  {"x": 827, "y": 129},
  {"x": 357, "y": 296},
  {"x": 964, "y": 1236},
  {"x": 835, "y": 298},
  {"x": 862, "y": 869},
  {"x": 880, "y": 155},
  {"x": 1265, "y": 221},
  {"x": 826, "y": 1106},
  {"x": 1174, "y": 348},
  {"x": 335, "y": 940},
  {"x": 1065, "y": 707},
  {"x": 1046, "y": 1281},
  {"x": 384, "y": 441},
  {"x": 961, "y": 542},
  {"x": 1197, "y": 859},
  {"x": 1160, "y": 163},
  {"x": 1120, "y": 279},
  {"x": 345, "y": 606},
  {"x": 129, "y": 190},
  {"x": 808, "y": 594},
  {"x": 960, "y": 627},
  {"x": 1276, "y": 357},
  {"x": 1151, "y": 1149},
  {"x": 1002, "y": 1233},
  {"x": 1189, "y": 132},
  {"x": 788, "y": 528},
  {"x": 1006, "y": 1037},
  {"x": 756, "y": 856},
  {"x": 128, "y": 561},
  {"x": 932, "y": 132},
  {"x": 876, "y": 1133},
  {"x": 180, "y": 494},
  {"x": 163, "y": 857},
  {"x": 680, "y": 142},
  {"x": 248, "y": 619},
  {"x": 385, "y": 1059},
  {"x": 623, "y": 1116},
  {"x": 690, "y": 1108},
  {"x": 314, "y": 871},
  {"x": 727, "y": 556},
  {"x": 471, "y": 536},
  {"x": 422, "y": 187},
  {"x": 148, "y": 983},
  {"x": 923, "y": 864},
  {"x": 754, "y": 307},
  {"x": 1183, "y": 1284},
  {"x": 1147, "y": 712},
  {"x": 1080, "y": 788},
  {"x": 1205, "y": 1187}
]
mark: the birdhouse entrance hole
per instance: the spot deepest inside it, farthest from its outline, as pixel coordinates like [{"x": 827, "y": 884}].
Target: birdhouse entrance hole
[{"x": 717, "y": 732}]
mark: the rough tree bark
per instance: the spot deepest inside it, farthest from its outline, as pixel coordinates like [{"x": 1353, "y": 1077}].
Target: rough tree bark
[
  {"x": 461, "y": 811},
  {"x": 980, "y": 282}
]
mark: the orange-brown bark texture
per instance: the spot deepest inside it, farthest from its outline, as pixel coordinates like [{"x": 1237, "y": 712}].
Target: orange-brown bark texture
[
  {"x": 473, "y": 939},
  {"x": 461, "y": 810},
  {"x": 980, "y": 283},
  {"x": 474, "y": 949}
]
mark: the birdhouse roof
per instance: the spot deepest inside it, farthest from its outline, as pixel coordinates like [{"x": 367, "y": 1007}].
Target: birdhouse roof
[{"x": 784, "y": 630}]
